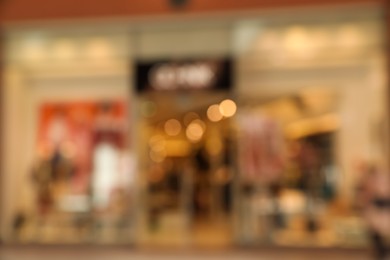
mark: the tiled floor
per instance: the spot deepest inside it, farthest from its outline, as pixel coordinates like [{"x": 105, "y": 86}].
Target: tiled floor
[{"x": 122, "y": 253}]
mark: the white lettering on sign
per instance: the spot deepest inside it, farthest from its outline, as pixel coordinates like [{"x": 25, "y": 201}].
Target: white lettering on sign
[{"x": 197, "y": 75}]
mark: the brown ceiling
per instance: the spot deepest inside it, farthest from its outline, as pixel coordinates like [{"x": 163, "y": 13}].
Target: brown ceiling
[{"x": 35, "y": 10}]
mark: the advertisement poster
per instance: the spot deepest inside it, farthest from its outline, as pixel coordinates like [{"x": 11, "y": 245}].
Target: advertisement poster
[{"x": 84, "y": 144}]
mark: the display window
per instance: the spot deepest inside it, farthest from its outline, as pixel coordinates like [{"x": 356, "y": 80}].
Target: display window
[
  {"x": 84, "y": 133},
  {"x": 289, "y": 175},
  {"x": 301, "y": 135},
  {"x": 75, "y": 173},
  {"x": 83, "y": 165}
]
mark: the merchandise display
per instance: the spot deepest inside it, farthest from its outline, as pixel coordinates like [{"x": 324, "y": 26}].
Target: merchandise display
[{"x": 83, "y": 166}]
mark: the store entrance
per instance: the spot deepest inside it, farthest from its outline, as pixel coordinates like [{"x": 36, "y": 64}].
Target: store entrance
[{"x": 188, "y": 168}]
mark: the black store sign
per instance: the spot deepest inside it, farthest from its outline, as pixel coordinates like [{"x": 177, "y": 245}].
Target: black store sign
[{"x": 184, "y": 75}]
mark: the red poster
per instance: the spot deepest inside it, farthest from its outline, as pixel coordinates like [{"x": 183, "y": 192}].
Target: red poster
[{"x": 75, "y": 129}]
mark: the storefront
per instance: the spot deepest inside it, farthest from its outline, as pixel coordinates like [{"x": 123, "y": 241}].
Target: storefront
[
  {"x": 230, "y": 130},
  {"x": 67, "y": 104}
]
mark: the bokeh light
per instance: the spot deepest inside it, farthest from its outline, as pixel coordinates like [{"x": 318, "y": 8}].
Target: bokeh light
[
  {"x": 195, "y": 131},
  {"x": 228, "y": 108},
  {"x": 172, "y": 127},
  {"x": 214, "y": 114}
]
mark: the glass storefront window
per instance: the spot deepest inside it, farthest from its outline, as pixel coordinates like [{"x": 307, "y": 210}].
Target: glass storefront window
[
  {"x": 301, "y": 136},
  {"x": 69, "y": 113}
]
